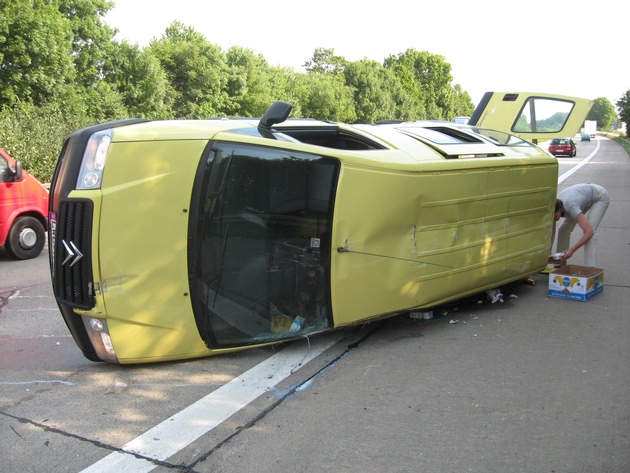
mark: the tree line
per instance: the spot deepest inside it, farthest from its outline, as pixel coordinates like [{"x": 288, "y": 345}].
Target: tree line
[{"x": 61, "y": 69}]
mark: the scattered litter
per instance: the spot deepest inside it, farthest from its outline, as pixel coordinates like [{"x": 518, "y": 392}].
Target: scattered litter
[
  {"x": 118, "y": 387},
  {"x": 280, "y": 323},
  {"x": 529, "y": 281},
  {"x": 494, "y": 295},
  {"x": 453, "y": 322},
  {"x": 422, "y": 315},
  {"x": 296, "y": 326},
  {"x": 513, "y": 296}
]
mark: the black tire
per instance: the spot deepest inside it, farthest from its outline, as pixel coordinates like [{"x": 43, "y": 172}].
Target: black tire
[{"x": 26, "y": 238}]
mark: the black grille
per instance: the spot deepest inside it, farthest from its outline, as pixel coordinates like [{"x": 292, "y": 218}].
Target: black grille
[{"x": 73, "y": 256}]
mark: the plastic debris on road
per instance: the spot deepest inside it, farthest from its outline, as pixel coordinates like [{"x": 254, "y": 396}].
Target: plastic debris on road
[{"x": 494, "y": 295}]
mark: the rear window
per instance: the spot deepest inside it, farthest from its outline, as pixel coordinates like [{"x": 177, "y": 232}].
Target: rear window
[{"x": 559, "y": 141}]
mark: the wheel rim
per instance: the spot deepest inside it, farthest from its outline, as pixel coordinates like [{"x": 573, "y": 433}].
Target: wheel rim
[{"x": 27, "y": 238}]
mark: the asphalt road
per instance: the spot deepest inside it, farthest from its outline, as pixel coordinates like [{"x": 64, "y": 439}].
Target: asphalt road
[{"x": 530, "y": 384}]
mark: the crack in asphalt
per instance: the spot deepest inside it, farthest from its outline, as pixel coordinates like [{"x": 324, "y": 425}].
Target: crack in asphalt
[
  {"x": 54, "y": 430},
  {"x": 4, "y": 298}
]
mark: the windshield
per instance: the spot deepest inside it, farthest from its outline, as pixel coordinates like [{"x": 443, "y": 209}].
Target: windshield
[{"x": 260, "y": 237}]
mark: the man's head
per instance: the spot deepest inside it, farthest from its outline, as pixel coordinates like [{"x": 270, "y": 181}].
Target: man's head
[{"x": 559, "y": 210}]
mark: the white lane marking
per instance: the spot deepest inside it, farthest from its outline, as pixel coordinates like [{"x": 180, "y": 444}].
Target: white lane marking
[
  {"x": 575, "y": 168},
  {"x": 175, "y": 433}
]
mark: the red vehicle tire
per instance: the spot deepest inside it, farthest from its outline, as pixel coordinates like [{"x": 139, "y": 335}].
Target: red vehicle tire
[{"x": 26, "y": 238}]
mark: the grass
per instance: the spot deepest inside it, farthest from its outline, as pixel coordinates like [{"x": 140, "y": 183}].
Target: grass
[
  {"x": 620, "y": 138},
  {"x": 624, "y": 142}
]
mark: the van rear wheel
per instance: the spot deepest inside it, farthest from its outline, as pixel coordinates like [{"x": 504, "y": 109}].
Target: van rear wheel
[{"x": 26, "y": 238}]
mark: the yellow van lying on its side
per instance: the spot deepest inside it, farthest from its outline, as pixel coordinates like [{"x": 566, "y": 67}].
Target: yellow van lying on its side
[{"x": 181, "y": 239}]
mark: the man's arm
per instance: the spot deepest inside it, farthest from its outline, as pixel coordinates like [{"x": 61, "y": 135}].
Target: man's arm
[{"x": 588, "y": 233}]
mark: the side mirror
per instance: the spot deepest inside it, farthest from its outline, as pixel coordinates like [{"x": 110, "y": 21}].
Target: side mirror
[
  {"x": 276, "y": 113},
  {"x": 17, "y": 175}
]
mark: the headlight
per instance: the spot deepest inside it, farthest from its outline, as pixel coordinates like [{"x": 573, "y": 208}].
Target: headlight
[{"x": 94, "y": 158}]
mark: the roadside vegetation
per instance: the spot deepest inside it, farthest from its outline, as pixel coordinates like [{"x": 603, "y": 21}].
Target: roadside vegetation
[
  {"x": 603, "y": 112},
  {"x": 61, "y": 69},
  {"x": 624, "y": 142}
]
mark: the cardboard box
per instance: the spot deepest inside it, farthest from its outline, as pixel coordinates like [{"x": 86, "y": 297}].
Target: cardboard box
[{"x": 576, "y": 282}]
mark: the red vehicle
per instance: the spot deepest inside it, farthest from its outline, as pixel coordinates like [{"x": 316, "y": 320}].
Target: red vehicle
[
  {"x": 564, "y": 146},
  {"x": 23, "y": 210}
]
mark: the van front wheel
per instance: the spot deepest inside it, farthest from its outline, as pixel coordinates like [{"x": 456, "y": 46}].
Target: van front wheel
[{"x": 26, "y": 238}]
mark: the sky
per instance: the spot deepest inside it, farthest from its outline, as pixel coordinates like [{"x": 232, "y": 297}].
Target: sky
[{"x": 548, "y": 46}]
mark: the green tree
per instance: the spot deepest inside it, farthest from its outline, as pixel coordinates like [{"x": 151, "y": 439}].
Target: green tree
[
  {"x": 35, "y": 52},
  {"x": 427, "y": 78},
  {"x": 324, "y": 61},
  {"x": 196, "y": 70},
  {"x": 464, "y": 106},
  {"x": 137, "y": 77},
  {"x": 102, "y": 103},
  {"x": 293, "y": 87},
  {"x": 326, "y": 97},
  {"x": 406, "y": 74},
  {"x": 92, "y": 40},
  {"x": 623, "y": 106},
  {"x": 92, "y": 47},
  {"x": 603, "y": 112},
  {"x": 252, "y": 83},
  {"x": 378, "y": 93}
]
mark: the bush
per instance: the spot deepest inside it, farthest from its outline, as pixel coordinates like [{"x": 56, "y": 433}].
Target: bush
[{"x": 35, "y": 135}]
